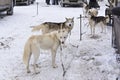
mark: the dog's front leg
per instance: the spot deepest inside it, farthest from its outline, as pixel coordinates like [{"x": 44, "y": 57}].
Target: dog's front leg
[
  {"x": 102, "y": 27},
  {"x": 91, "y": 27},
  {"x": 105, "y": 28},
  {"x": 36, "y": 54},
  {"x": 93, "y": 31},
  {"x": 53, "y": 58},
  {"x": 28, "y": 70}
]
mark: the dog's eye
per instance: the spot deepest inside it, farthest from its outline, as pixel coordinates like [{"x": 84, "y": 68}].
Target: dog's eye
[{"x": 64, "y": 37}]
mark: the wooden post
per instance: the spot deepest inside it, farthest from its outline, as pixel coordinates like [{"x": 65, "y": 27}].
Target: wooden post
[
  {"x": 80, "y": 27},
  {"x": 37, "y": 8}
]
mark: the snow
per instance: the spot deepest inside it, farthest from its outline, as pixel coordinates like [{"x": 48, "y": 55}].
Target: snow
[{"x": 88, "y": 59}]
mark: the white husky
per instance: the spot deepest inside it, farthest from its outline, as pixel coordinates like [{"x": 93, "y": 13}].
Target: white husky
[{"x": 50, "y": 41}]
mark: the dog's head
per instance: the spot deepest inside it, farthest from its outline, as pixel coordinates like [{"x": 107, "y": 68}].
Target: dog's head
[
  {"x": 93, "y": 12},
  {"x": 62, "y": 35},
  {"x": 69, "y": 22}
]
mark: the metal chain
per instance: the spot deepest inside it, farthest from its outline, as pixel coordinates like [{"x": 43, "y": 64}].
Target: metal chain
[
  {"x": 118, "y": 58},
  {"x": 118, "y": 61}
]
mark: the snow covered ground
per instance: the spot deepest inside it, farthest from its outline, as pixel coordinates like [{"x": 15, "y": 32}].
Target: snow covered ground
[{"x": 89, "y": 59}]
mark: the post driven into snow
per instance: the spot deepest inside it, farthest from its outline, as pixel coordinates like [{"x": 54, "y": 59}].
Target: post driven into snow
[
  {"x": 37, "y": 8},
  {"x": 80, "y": 27}
]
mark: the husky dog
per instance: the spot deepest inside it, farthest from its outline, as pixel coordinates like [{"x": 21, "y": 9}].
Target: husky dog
[
  {"x": 49, "y": 41},
  {"x": 86, "y": 10},
  {"x": 93, "y": 21},
  {"x": 51, "y": 26}
]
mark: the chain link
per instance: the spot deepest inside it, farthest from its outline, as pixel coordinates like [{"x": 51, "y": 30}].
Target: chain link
[{"x": 118, "y": 58}]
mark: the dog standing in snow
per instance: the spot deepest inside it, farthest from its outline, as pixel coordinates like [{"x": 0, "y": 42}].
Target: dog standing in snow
[
  {"x": 47, "y": 27},
  {"x": 49, "y": 41},
  {"x": 94, "y": 20}
]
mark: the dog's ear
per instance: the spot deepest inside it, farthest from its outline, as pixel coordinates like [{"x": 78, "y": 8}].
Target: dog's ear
[
  {"x": 84, "y": 4},
  {"x": 73, "y": 19},
  {"x": 89, "y": 12},
  {"x": 66, "y": 19}
]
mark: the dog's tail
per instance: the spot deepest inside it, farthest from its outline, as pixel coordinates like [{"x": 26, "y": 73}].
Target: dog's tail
[
  {"x": 37, "y": 28},
  {"x": 27, "y": 53}
]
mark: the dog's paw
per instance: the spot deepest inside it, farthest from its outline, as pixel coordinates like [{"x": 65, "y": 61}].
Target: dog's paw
[
  {"x": 55, "y": 66},
  {"x": 37, "y": 72},
  {"x": 38, "y": 66},
  {"x": 28, "y": 71}
]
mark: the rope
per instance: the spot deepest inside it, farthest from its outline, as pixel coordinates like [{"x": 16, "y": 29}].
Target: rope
[
  {"x": 61, "y": 49},
  {"x": 85, "y": 24},
  {"x": 118, "y": 61},
  {"x": 63, "y": 67}
]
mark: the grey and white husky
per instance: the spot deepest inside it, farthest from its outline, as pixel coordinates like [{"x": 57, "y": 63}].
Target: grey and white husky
[
  {"x": 94, "y": 20},
  {"x": 47, "y": 27}
]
